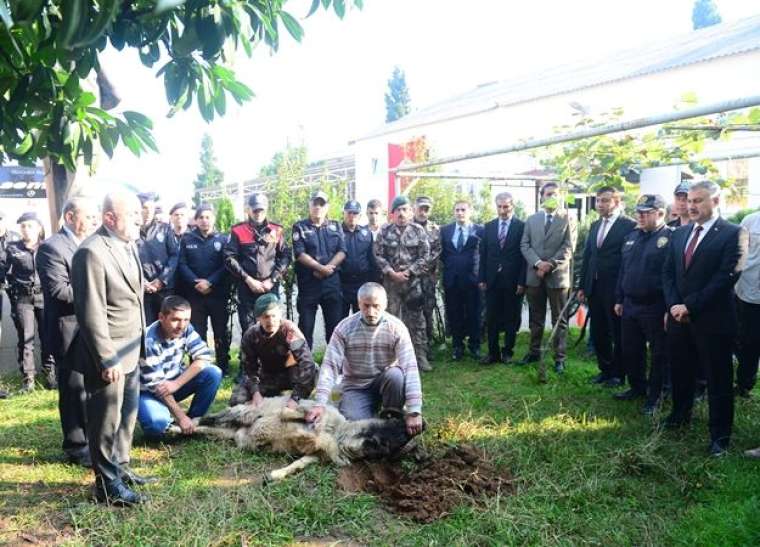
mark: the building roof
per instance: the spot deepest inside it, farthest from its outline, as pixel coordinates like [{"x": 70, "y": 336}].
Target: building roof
[{"x": 707, "y": 44}]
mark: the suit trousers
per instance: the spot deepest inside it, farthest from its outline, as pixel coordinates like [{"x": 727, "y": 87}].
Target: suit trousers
[
  {"x": 503, "y": 309},
  {"x": 748, "y": 342},
  {"x": 214, "y": 307},
  {"x": 111, "y": 417},
  {"x": 606, "y": 331},
  {"x": 537, "y": 297},
  {"x": 463, "y": 313},
  {"x": 687, "y": 347},
  {"x": 72, "y": 408}
]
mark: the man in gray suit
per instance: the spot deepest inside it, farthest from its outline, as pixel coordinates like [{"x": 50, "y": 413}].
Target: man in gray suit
[
  {"x": 547, "y": 245},
  {"x": 54, "y": 268},
  {"x": 108, "y": 301}
]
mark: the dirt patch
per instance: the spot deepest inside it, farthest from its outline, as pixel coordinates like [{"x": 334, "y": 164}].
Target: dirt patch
[{"x": 433, "y": 489}]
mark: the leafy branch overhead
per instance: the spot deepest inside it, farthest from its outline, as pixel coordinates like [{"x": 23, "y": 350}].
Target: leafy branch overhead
[{"x": 50, "y": 53}]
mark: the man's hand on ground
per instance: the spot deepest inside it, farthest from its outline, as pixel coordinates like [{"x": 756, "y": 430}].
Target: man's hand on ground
[
  {"x": 413, "y": 424},
  {"x": 168, "y": 387},
  {"x": 186, "y": 425},
  {"x": 113, "y": 374},
  {"x": 315, "y": 414}
]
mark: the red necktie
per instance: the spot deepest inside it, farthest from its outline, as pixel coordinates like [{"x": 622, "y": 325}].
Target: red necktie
[{"x": 692, "y": 245}]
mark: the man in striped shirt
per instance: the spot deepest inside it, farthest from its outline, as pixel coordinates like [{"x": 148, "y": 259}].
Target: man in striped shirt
[
  {"x": 163, "y": 379},
  {"x": 374, "y": 353}
]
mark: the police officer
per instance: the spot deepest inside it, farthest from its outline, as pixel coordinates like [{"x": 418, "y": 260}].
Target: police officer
[
  {"x": 423, "y": 206},
  {"x": 6, "y": 236},
  {"x": 641, "y": 303},
  {"x": 25, "y": 294},
  {"x": 257, "y": 256},
  {"x": 359, "y": 266},
  {"x": 402, "y": 251},
  {"x": 319, "y": 249},
  {"x": 179, "y": 216},
  {"x": 158, "y": 254},
  {"x": 680, "y": 207},
  {"x": 203, "y": 279}
]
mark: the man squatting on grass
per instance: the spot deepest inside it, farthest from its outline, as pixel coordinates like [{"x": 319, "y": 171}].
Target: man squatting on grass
[
  {"x": 374, "y": 352},
  {"x": 164, "y": 381}
]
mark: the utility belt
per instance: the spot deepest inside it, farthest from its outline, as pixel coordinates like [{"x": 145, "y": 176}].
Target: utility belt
[{"x": 24, "y": 290}]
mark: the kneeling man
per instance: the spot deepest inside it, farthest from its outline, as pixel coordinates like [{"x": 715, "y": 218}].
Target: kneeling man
[
  {"x": 276, "y": 356},
  {"x": 374, "y": 353},
  {"x": 164, "y": 381}
]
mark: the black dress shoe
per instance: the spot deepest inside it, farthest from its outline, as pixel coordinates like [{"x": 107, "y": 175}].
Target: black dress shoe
[
  {"x": 4, "y": 394},
  {"x": 507, "y": 357},
  {"x": 628, "y": 395},
  {"x": 117, "y": 493},
  {"x": 489, "y": 360},
  {"x": 649, "y": 409},
  {"x": 79, "y": 457},
  {"x": 718, "y": 449},
  {"x": 613, "y": 382},
  {"x": 742, "y": 392},
  {"x": 599, "y": 379},
  {"x": 559, "y": 367},
  {"x": 530, "y": 358},
  {"x": 133, "y": 479}
]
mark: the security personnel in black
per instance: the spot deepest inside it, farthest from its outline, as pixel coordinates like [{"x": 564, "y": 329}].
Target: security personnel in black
[
  {"x": 641, "y": 303},
  {"x": 6, "y": 237},
  {"x": 25, "y": 294},
  {"x": 203, "y": 279},
  {"x": 158, "y": 254},
  {"x": 359, "y": 266},
  {"x": 319, "y": 248}
]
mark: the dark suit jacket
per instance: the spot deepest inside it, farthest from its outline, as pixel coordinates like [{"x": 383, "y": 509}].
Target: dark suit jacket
[
  {"x": 460, "y": 268},
  {"x": 54, "y": 268},
  {"x": 706, "y": 287},
  {"x": 502, "y": 268},
  {"x": 108, "y": 302},
  {"x": 604, "y": 262}
]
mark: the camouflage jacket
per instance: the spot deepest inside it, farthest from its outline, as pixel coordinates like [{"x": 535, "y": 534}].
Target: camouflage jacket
[
  {"x": 433, "y": 232},
  {"x": 400, "y": 248}
]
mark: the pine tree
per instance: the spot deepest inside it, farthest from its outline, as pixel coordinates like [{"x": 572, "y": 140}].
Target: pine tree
[
  {"x": 397, "y": 102},
  {"x": 704, "y": 14},
  {"x": 210, "y": 176}
]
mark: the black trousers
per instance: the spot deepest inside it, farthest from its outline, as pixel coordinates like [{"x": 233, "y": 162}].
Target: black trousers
[
  {"x": 27, "y": 314},
  {"x": 688, "y": 347},
  {"x": 638, "y": 331},
  {"x": 748, "y": 343},
  {"x": 213, "y": 307},
  {"x": 503, "y": 314},
  {"x": 463, "y": 312},
  {"x": 606, "y": 331},
  {"x": 348, "y": 294},
  {"x": 331, "y": 302},
  {"x": 72, "y": 408},
  {"x": 152, "y": 304},
  {"x": 111, "y": 417}
]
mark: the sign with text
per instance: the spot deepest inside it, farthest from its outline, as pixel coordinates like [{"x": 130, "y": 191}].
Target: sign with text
[{"x": 22, "y": 182}]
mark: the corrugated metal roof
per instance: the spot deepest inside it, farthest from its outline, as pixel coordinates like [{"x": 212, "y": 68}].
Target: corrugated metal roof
[{"x": 698, "y": 46}]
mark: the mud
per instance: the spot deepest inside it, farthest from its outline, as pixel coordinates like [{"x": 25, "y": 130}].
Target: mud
[{"x": 432, "y": 490}]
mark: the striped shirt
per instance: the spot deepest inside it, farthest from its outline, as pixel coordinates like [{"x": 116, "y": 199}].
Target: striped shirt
[
  {"x": 361, "y": 352},
  {"x": 163, "y": 358}
]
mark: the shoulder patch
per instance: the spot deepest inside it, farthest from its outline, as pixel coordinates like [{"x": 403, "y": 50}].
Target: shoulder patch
[{"x": 662, "y": 241}]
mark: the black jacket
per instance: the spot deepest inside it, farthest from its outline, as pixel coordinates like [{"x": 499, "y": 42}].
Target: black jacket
[
  {"x": 158, "y": 252},
  {"x": 603, "y": 263},
  {"x": 706, "y": 287},
  {"x": 502, "y": 268},
  {"x": 359, "y": 265},
  {"x": 5, "y": 240},
  {"x": 460, "y": 268},
  {"x": 202, "y": 258}
]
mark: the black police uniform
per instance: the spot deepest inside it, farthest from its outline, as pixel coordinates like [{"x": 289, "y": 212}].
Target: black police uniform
[
  {"x": 158, "y": 255},
  {"x": 25, "y": 294},
  {"x": 640, "y": 292},
  {"x": 322, "y": 244},
  {"x": 258, "y": 251},
  {"x": 203, "y": 258},
  {"x": 359, "y": 266},
  {"x": 7, "y": 238}
]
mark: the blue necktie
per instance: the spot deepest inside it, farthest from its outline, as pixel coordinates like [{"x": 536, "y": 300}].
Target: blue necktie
[{"x": 460, "y": 239}]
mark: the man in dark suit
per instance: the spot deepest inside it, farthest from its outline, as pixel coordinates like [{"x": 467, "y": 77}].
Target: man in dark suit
[
  {"x": 602, "y": 257},
  {"x": 108, "y": 302},
  {"x": 704, "y": 262},
  {"x": 502, "y": 274},
  {"x": 460, "y": 243},
  {"x": 54, "y": 267}
]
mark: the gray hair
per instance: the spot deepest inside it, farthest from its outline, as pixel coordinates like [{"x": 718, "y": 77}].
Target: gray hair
[
  {"x": 712, "y": 188},
  {"x": 371, "y": 289},
  {"x": 503, "y": 196},
  {"x": 117, "y": 197},
  {"x": 75, "y": 204}
]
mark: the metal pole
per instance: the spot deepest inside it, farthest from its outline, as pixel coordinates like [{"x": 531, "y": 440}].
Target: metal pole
[
  {"x": 436, "y": 175},
  {"x": 638, "y": 123}
]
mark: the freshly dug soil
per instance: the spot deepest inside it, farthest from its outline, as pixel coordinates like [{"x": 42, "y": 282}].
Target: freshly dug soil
[{"x": 432, "y": 490}]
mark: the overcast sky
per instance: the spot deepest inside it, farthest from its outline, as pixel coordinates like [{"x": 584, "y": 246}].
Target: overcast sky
[{"x": 329, "y": 88}]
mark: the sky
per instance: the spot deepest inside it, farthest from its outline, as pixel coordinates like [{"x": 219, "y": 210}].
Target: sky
[{"x": 328, "y": 89}]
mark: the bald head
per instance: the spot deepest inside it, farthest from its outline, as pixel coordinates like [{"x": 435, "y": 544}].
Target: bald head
[
  {"x": 80, "y": 215},
  {"x": 122, "y": 214}
]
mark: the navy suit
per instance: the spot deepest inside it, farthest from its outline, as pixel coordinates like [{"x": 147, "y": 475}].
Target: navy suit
[
  {"x": 460, "y": 285},
  {"x": 502, "y": 269},
  {"x": 599, "y": 275},
  {"x": 706, "y": 289}
]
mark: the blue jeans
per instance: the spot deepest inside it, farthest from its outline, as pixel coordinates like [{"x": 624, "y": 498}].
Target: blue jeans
[
  {"x": 154, "y": 415},
  {"x": 386, "y": 392}
]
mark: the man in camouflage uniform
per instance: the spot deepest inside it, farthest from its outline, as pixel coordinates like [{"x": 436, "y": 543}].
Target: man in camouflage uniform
[
  {"x": 422, "y": 208},
  {"x": 402, "y": 252}
]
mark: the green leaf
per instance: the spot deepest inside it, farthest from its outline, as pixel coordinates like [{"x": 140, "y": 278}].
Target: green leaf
[
  {"x": 292, "y": 26},
  {"x": 5, "y": 15},
  {"x": 85, "y": 100},
  {"x": 137, "y": 119},
  {"x": 314, "y": 7},
  {"x": 340, "y": 7},
  {"x": 220, "y": 102},
  {"x": 689, "y": 98},
  {"x": 754, "y": 115},
  {"x": 24, "y": 146}
]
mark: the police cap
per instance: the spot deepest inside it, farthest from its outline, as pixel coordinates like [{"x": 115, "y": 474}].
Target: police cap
[
  {"x": 30, "y": 215},
  {"x": 180, "y": 205},
  {"x": 424, "y": 201},
  {"x": 682, "y": 188},
  {"x": 319, "y": 194},
  {"x": 257, "y": 201},
  {"x": 352, "y": 206},
  {"x": 145, "y": 197},
  {"x": 648, "y": 202},
  {"x": 202, "y": 208}
]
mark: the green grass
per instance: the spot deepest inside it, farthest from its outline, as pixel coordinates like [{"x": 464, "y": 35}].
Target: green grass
[{"x": 590, "y": 470}]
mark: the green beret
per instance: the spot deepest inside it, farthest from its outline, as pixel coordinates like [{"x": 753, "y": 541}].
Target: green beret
[
  {"x": 398, "y": 201},
  {"x": 264, "y": 303}
]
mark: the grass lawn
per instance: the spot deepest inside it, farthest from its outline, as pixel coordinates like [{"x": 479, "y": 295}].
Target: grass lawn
[{"x": 590, "y": 470}]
